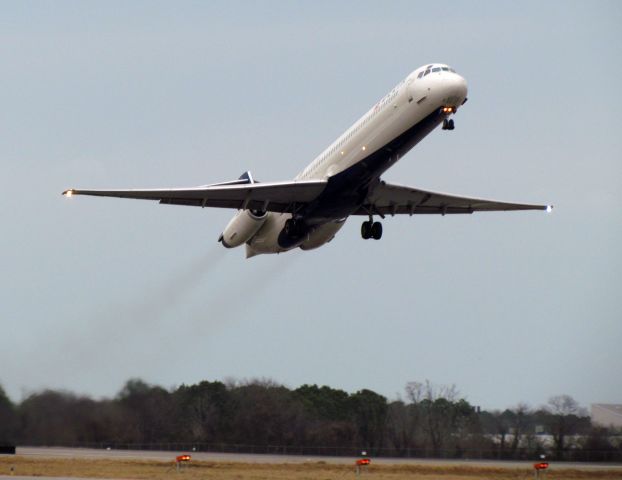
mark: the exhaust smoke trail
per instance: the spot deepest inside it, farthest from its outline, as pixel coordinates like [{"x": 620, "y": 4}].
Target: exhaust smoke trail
[
  {"x": 233, "y": 303},
  {"x": 126, "y": 322},
  {"x": 138, "y": 337}
]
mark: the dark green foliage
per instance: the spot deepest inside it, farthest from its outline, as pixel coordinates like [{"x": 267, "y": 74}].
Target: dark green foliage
[
  {"x": 8, "y": 420},
  {"x": 261, "y": 415},
  {"x": 203, "y": 411},
  {"x": 148, "y": 412},
  {"x": 324, "y": 402},
  {"x": 369, "y": 411}
]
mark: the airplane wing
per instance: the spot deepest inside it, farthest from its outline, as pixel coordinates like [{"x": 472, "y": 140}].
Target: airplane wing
[
  {"x": 273, "y": 197},
  {"x": 387, "y": 199}
]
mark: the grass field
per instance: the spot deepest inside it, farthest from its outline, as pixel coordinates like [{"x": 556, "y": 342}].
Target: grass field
[{"x": 153, "y": 469}]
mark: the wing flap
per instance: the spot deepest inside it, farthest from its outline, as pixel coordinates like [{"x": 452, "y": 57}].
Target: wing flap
[
  {"x": 274, "y": 197},
  {"x": 388, "y": 199}
]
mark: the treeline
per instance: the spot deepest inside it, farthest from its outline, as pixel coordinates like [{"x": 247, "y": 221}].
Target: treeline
[{"x": 259, "y": 416}]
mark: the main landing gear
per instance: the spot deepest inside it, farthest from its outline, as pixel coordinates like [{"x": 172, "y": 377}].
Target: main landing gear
[
  {"x": 295, "y": 228},
  {"x": 448, "y": 124},
  {"x": 371, "y": 229}
]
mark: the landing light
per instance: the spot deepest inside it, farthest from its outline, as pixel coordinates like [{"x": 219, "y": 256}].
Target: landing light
[
  {"x": 549, "y": 208},
  {"x": 69, "y": 193},
  {"x": 448, "y": 109}
]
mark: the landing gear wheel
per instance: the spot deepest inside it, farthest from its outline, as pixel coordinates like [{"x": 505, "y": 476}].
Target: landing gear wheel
[
  {"x": 366, "y": 230},
  {"x": 448, "y": 124},
  {"x": 371, "y": 230},
  {"x": 293, "y": 228},
  {"x": 376, "y": 230}
]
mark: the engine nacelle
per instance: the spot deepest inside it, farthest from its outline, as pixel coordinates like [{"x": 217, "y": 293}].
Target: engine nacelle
[
  {"x": 242, "y": 227},
  {"x": 323, "y": 234}
]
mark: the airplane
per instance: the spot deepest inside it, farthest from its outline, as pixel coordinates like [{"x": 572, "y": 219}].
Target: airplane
[{"x": 343, "y": 180}]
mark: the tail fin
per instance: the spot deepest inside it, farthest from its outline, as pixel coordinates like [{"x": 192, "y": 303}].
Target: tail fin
[
  {"x": 248, "y": 177},
  {"x": 245, "y": 178}
]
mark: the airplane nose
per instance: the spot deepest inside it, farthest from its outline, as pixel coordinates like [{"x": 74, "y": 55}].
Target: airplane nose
[{"x": 456, "y": 89}]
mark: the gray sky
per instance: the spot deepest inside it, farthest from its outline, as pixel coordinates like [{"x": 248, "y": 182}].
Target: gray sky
[{"x": 509, "y": 307}]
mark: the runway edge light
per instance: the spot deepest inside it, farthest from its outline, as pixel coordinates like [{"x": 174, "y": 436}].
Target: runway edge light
[
  {"x": 362, "y": 463},
  {"x": 540, "y": 466},
  {"x": 181, "y": 459}
]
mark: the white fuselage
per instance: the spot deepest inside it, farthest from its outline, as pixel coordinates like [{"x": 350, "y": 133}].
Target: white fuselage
[{"x": 414, "y": 99}]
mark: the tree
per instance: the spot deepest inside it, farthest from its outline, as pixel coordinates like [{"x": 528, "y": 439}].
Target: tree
[
  {"x": 518, "y": 424},
  {"x": 55, "y": 418},
  {"x": 449, "y": 422},
  {"x": 437, "y": 408},
  {"x": 369, "y": 411},
  {"x": 203, "y": 411},
  {"x": 325, "y": 402},
  {"x": 564, "y": 417},
  {"x": 597, "y": 446},
  {"x": 498, "y": 423},
  {"x": 149, "y": 411},
  {"x": 266, "y": 413},
  {"x": 327, "y": 415},
  {"x": 8, "y": 419}
]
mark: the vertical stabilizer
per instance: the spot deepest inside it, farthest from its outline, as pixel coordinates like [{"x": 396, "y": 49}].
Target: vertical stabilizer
[{"x": 248, "y": 177}]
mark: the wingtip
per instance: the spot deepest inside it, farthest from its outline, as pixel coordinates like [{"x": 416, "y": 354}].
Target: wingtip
[
  {"x": 68, "y": 193},
  {"x": 549, "y": 208}
]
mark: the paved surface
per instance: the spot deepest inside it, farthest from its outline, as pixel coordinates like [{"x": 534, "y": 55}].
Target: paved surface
[{"x": 257, "y": 458}]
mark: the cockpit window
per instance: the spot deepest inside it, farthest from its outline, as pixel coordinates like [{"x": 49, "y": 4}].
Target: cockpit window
[
  {"x": 437, "y": 69},
  {"x": 426, "y": 72},
  {"x": 452, "y": 70},
  {"x": 444, "y": 69},
  {"x": 420, "y": 75}
]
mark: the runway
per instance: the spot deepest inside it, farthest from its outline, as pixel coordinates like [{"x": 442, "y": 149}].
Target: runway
[{"x": 293, "y": 459}]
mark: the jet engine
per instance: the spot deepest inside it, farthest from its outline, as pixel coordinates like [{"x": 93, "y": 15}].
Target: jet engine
[
  {"x": 323, "y": 234},
  {"x": 242, "y": 227}
]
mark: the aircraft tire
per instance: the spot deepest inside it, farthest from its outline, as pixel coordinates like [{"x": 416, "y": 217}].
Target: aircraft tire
[
  {"x": 376, "y": 230},
  {"x": 366, "y": 230}
]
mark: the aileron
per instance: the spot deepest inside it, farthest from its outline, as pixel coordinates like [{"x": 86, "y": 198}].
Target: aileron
[
  {"x": 273, "y": 197},
  {"x": 397, "y": 199}
]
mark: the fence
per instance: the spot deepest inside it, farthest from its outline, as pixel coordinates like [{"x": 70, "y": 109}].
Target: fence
[{"x": 570, "y": 455}]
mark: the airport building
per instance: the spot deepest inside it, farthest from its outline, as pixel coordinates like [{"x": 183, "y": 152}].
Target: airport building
[{"x": 606, "y": 415}]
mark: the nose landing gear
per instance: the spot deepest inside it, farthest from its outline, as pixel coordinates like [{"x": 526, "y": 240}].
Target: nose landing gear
[
  {"x": 371, "y": 229},
  {"x": 448, "y": 124}
]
